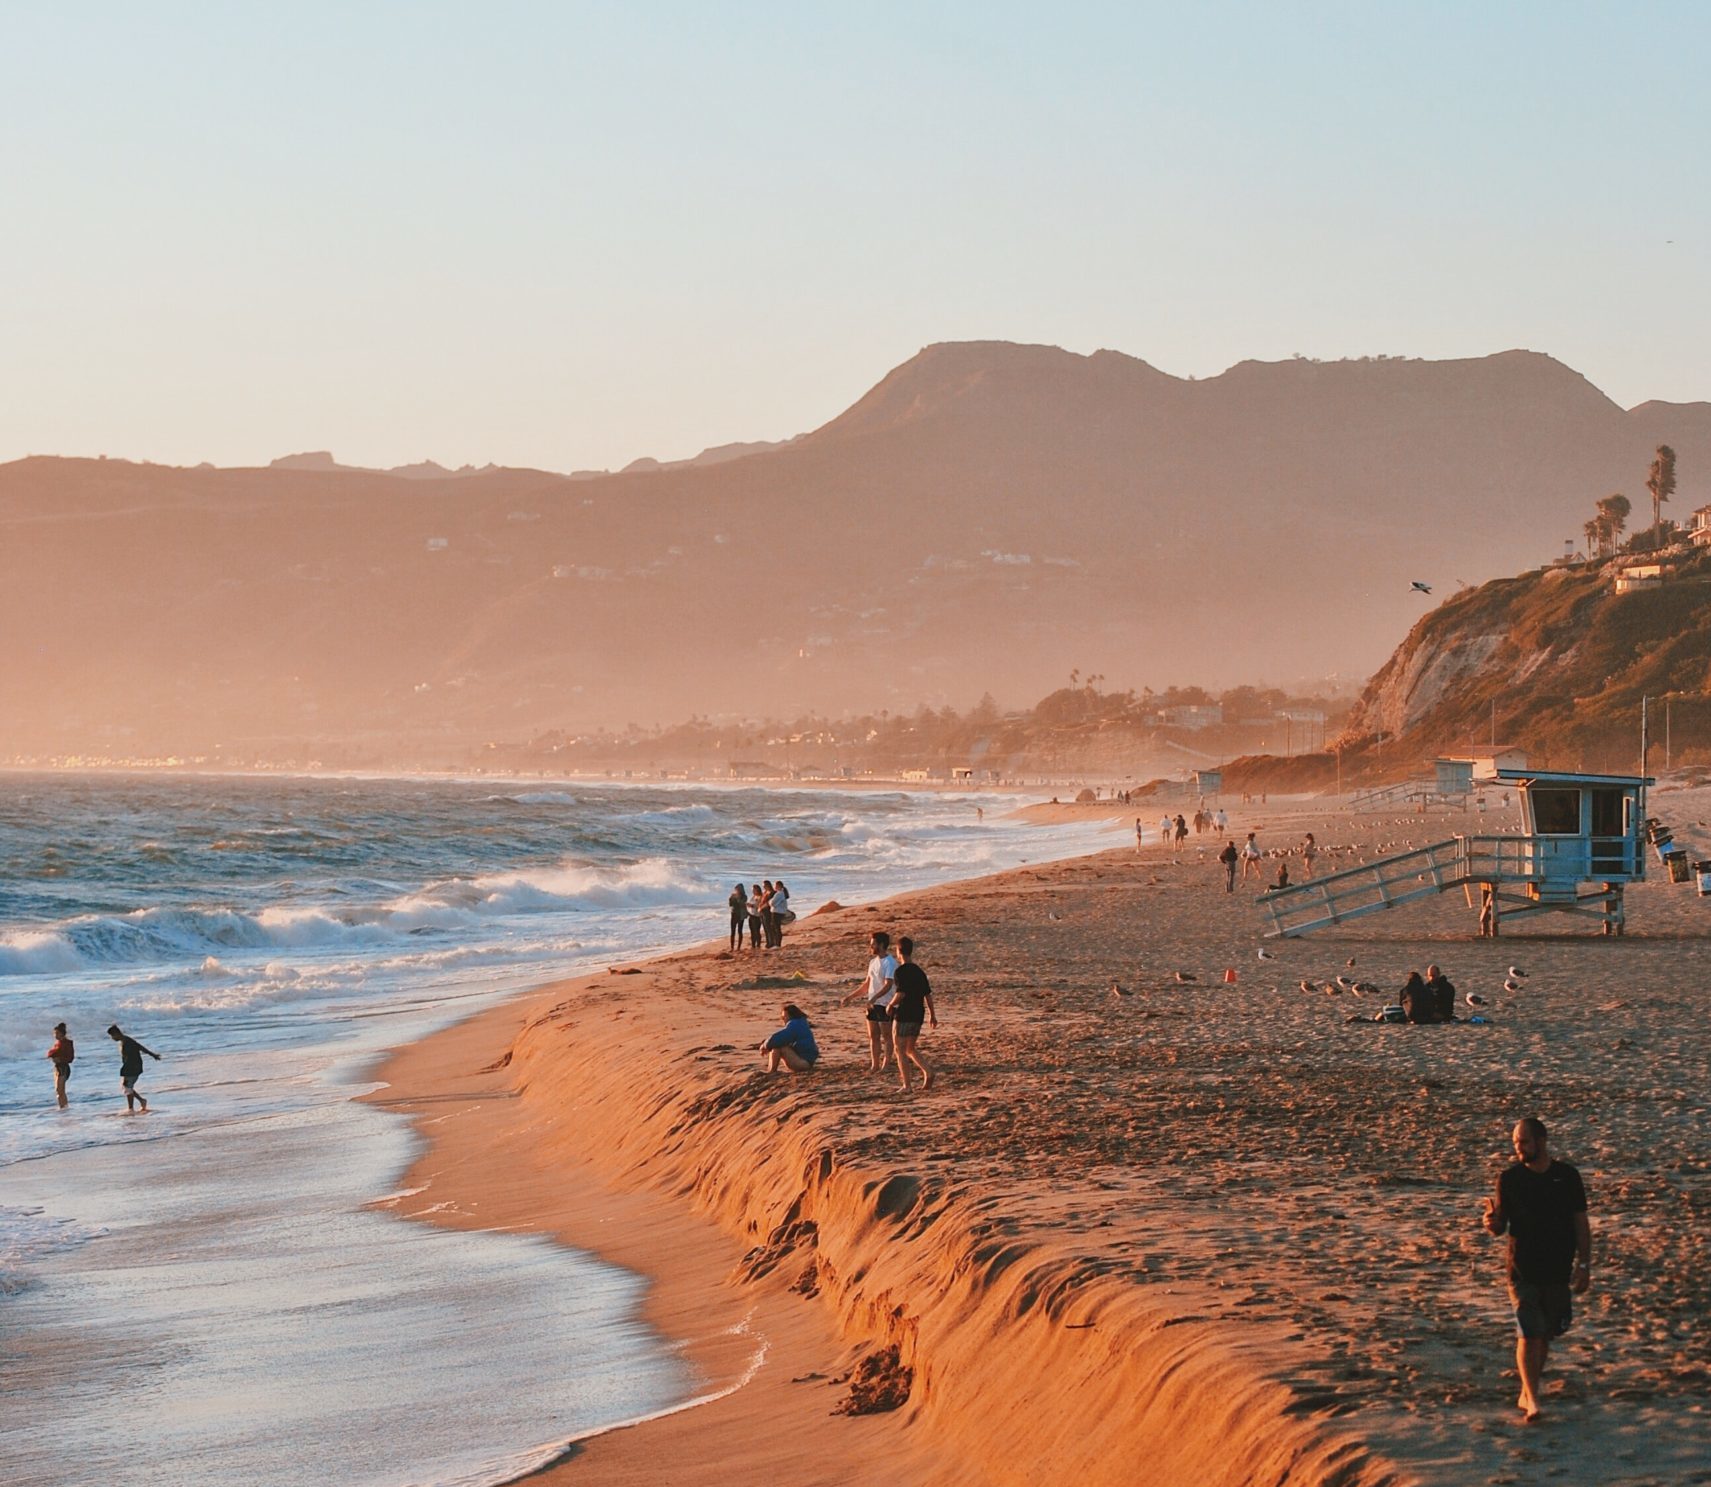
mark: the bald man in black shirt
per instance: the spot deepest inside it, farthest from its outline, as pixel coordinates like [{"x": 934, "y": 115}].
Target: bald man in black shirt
[{"x": 1541, "y": 1205}]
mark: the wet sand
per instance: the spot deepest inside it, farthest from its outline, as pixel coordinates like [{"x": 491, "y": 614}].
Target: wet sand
[{"x": 1141, "y": 1228}]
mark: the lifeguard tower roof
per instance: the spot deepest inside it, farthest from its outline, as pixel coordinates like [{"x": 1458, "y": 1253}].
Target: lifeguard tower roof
[{"x": 1568, "y": 777}]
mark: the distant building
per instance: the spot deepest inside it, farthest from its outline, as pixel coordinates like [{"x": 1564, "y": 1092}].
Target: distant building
[
  {"x": 1192, "y": 715},
  {"x": 1699, "y": 526},
  {"x": 1641, "y": 576}
]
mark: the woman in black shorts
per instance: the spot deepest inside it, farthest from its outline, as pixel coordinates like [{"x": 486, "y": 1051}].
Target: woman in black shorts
[{"x": 914, "y": 1005}]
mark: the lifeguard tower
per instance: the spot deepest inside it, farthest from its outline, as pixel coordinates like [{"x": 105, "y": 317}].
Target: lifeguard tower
[{"x": 1581, "y": 842}]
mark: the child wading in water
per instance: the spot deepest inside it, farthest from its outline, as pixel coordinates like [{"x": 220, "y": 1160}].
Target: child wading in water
[
  {"x": 914, "y": 1005},
  {"x": 61, "y": 1055}
]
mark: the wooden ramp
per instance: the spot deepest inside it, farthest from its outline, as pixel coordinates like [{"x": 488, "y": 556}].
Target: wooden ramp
[{"x": 1498, "y": 862}]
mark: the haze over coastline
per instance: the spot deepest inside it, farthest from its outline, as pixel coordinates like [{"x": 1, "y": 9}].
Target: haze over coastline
[{"x": 489, "y": 495}]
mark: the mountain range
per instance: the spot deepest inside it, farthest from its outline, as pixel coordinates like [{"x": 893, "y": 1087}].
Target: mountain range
[{"x": 986, "y": 519}]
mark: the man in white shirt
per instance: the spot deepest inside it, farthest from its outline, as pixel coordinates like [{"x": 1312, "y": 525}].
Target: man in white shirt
[{"x": 878, "y": 988}]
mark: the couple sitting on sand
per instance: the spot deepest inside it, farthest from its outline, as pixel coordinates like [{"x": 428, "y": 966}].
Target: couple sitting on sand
[{"x": 899, "y": 1000}]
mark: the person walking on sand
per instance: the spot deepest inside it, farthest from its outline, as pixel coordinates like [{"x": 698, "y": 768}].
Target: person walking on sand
[
  {"x": 739, "y": 906},
  {"x": 131, "y": 1067},
  {"x": 60, "y": 1056},
  {"x": 1250, "y": 857},
  {"x": 879, "y": 988},
  {"x": 1541, "y": 1204},
  {"x": 1181, "y": 830},
  {"x": 1221, "y": 821},
  {"x": 1164, "y": 829},
  {"x": 1229, "y": 857},
  {"x": 914, "y": 1005},
  {"x": 1309, "y": 855},
  {"x": 792, "y": 1047}
]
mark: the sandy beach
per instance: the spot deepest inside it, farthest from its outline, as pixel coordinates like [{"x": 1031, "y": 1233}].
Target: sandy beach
[{"x": 1142, "y": 1228}]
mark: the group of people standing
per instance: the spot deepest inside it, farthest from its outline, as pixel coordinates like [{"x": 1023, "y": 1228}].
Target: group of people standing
[
  {"x": 763, "y": 911},
  {"x": 897, "y": 1001},
  {"x": 63, "y": 1053}
]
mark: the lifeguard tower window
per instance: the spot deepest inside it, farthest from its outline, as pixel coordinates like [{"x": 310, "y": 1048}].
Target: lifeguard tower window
[
  {"x": 1557, "y": 812},
  {"x": 1611, "y": 819}
]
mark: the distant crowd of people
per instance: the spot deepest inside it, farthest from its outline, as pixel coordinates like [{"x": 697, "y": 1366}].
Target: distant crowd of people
[{"x": 763, "y": 910}]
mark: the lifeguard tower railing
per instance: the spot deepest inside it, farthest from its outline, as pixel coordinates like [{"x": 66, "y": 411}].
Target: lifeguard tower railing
[{"x": 1548, "y": 869}]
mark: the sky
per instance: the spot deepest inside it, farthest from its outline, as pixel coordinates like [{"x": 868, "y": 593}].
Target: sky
[{"x": 567, "y": 235}]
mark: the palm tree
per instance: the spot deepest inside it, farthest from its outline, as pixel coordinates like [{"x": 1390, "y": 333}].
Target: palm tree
[
  {"x": 1597, "y": 534},
  {"x": 1613, "y": 513},
  {"x": 1661, "y": 483}
]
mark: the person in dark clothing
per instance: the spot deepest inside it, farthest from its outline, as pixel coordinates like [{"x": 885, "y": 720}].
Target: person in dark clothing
[
  {"x": 739, "y": 906},
  {"x": 131, "y": 1067},
  {"x": 1443, "y": 994},
  {"x": 1418, "y": 1002},
  {"x": 1541, "y": 1205},
  {"x": 1229, "y": 857},
  {"x": 914, "y": 1005}
]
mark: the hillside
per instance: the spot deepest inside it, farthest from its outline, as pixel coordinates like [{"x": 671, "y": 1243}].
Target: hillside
[
  {"x": 986, "y": 518},
  {"x": 1553, "y": 662}
]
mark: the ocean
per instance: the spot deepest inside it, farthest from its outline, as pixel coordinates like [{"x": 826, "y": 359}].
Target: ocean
[{"x": 207, "y": 1291}]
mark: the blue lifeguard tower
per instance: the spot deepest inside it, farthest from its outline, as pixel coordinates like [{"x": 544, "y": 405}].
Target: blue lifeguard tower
[{"x": 1582, "y": 842}]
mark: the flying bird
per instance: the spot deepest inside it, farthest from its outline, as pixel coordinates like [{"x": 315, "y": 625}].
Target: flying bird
[{"x": 1424, "y": 588}]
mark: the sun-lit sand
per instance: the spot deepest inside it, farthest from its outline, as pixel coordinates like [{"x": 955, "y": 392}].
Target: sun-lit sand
[{"x": 1142, "y": 1229}]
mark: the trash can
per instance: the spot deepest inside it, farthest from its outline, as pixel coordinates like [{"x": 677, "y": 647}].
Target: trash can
[
  {"x": 1678, "y": 865},
  {"x": 1702, "y": 871},
  {"x": 1665, "y": 848}
]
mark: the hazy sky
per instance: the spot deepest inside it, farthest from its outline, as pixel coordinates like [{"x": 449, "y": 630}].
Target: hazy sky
[{"x": 569, "y": 234}]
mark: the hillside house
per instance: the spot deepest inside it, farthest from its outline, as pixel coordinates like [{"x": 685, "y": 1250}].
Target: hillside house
[
  {"x": 1640, "y": 577},
  {"x": 1193, "y": 715},
  {"x": 1699, "y": 527}
]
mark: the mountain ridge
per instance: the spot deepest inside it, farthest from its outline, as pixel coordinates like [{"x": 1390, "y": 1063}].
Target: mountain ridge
[{"x": 985, "y": 518}]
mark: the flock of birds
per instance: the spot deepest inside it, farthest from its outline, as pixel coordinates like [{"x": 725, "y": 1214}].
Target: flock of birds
[{"x": 1342, "y": 983}]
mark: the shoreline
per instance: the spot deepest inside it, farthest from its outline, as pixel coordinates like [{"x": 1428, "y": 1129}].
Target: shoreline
[{"x": 1059, "y": 1261}]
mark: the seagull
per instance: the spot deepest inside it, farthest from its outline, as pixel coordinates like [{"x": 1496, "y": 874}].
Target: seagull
[
  {"x": 1366, "y": 988},
  {"x": 1350, "y": 962},
  {"x": 1186, "y": 976},
  {"x": 1511, "y": 984},
  {"x": 1516, "y": 971},
  {"x": 1053, "y": 914},
  {"x": 1474, "y": 999},
  {"x": 1308, "y": 986},
  {"x": 1117, "y": 991},
  {"x": 1266, "y": 955},
  {"x": 1424, "y": 588},
  {"x": 1345, "y": 982}
]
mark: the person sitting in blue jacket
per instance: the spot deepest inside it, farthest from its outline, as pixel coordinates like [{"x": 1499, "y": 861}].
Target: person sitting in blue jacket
[{"x": 792, "y": 1046}]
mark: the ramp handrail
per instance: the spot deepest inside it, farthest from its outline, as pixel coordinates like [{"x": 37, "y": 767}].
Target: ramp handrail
[{"x": 1383, "y": 884}]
